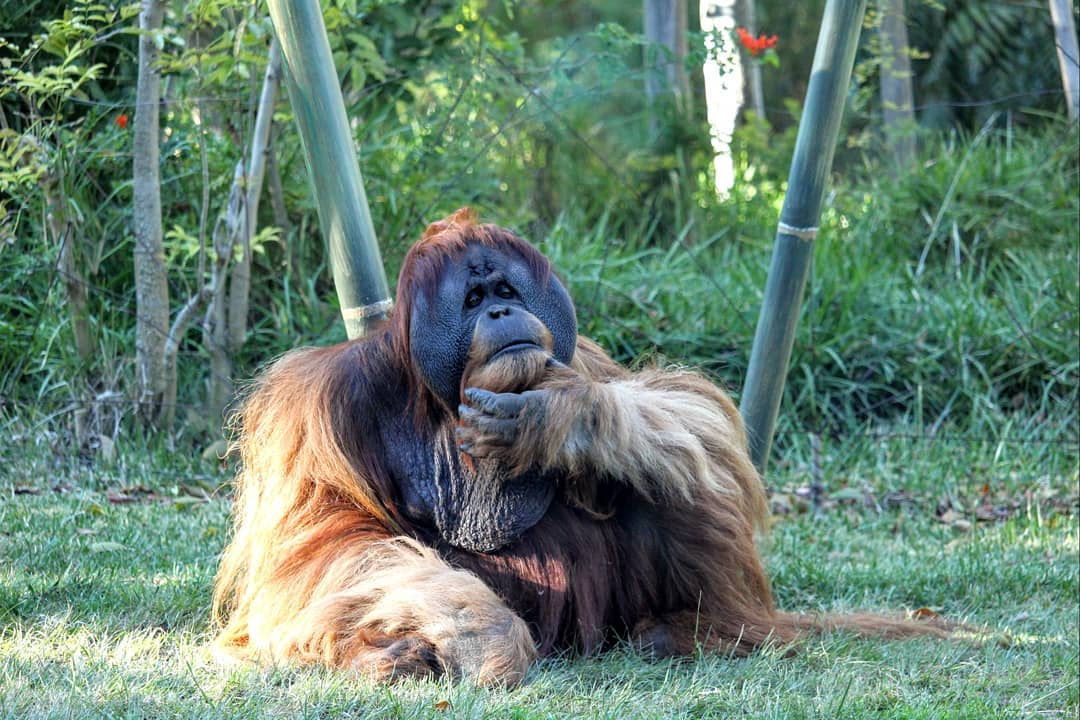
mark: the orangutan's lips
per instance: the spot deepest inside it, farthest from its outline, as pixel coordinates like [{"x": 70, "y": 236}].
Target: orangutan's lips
[{"x": 516, "y": 346}]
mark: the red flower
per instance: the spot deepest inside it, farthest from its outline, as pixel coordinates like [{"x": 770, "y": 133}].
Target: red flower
[
  {"x": 755, "y": 45},
  {"x": 122, "y": 121}
]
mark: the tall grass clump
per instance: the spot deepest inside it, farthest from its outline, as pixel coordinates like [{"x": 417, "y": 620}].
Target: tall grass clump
[
  {"x": 950, "y": 292},
  {"x": 904, "y": 325}
]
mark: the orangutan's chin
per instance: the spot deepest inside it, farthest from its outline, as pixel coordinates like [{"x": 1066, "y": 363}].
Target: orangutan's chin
[{"x": 514, "y": 369}]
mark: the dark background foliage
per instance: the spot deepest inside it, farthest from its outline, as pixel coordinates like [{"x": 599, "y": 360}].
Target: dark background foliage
[{"x": 943, "y": 295}]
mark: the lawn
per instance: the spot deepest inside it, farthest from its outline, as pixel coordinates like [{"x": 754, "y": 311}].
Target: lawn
[
  {"x": 927, "y": 452},
  {"x": 105, "y": 576}
]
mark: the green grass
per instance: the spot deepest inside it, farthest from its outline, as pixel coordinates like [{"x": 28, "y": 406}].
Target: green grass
[
  {"x": 104, "y": 605},
  {"x": 933, "y": 392}
]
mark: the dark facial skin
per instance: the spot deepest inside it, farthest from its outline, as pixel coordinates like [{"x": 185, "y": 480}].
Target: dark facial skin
[
  {"x": 491, "y": 303},
  {"x": 488, "y": 313}
]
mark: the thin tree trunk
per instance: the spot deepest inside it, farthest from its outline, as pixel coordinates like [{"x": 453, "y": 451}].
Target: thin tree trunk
[
  {"x": 896, "y": 95},
  {"x": 215, "y": 323},
  {"x": 723, "y": 87},
  {"x": 1068, "y": 53},
  {"x": 64, "y": 231},
  {"x": 240, "y": 283},
  {"x": 746, "y": 10},
  {"x": 225, "y": 324},
  {"x": 277, "y": 191},
  {"x": 187, "y": 313},
  {"x": 180, "y": 325},
  {"x": 151, "y": 283},
  {"x": 665, "y": 25}
]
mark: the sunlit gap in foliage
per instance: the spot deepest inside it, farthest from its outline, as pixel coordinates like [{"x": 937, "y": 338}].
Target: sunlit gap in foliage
[{"x": 723, "y": 87}]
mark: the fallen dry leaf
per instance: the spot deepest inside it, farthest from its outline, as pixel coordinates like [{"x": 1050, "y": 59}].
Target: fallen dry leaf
[
  {"x": 119, "y": 498},
  {"x": 947, "y": 517},
  {"x": 954, "y": 520},
  {"x": 989, "y": 513},
  {"x": 780, "y": 504}
]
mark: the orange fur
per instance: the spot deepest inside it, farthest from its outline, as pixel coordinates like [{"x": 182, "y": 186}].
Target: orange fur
[
  {"x": 316, "y": 569},
  {"x": 652, "y": 533}
]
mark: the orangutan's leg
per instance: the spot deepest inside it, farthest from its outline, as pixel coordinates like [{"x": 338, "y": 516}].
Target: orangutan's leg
[{"x": 401, "y": 611}]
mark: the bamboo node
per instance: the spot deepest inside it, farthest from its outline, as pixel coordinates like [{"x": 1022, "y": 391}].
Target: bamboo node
[
  {"x": 365, "y": 311},
  {"x": 803, "y": 233}
]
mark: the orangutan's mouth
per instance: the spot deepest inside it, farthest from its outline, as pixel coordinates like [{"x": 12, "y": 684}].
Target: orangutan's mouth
[{"x": 515, "y": 347}]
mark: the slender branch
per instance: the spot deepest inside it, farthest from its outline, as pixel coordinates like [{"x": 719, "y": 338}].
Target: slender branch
[
  {"x": 277, "y": 190},
  {"x": 184, "y": 318},
  {"x": 214, "y": 323},
  {"x": 240, "y": 284},
  {"x": 204, "y": 211},
  {"x": 179, "y": 326}
]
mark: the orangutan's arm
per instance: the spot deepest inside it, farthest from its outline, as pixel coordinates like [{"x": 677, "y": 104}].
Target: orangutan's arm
[{"x": 668, "y": 434}]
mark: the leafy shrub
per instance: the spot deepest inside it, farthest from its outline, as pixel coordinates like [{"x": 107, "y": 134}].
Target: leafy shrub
[{"x": 945, "y": 295}]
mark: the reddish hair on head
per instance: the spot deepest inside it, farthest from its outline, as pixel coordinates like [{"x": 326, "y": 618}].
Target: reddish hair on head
[
  {"x": 462, "y": 217},
  {"x": 442, "y": 243}
]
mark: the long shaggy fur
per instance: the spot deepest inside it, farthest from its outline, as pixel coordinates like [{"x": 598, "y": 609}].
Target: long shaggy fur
[{"x": 651, "y": 536}]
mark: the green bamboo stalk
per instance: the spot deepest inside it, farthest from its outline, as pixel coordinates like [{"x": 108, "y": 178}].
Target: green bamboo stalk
[
  {"x": 344, "y": 216},
  {"x": 810, "y": 166}
]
